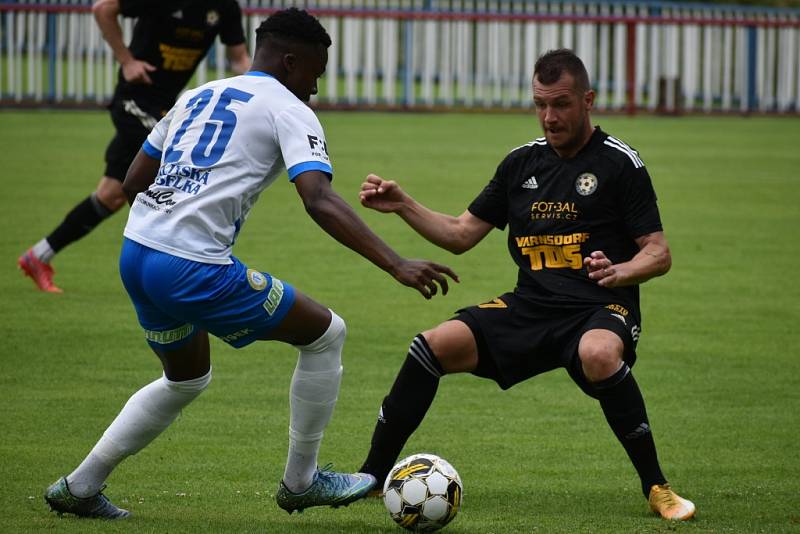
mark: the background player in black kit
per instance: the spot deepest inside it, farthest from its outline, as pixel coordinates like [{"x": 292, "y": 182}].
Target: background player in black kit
[
  {"x": 584, "y": 231},
  {"x": 169, "y": 40}
]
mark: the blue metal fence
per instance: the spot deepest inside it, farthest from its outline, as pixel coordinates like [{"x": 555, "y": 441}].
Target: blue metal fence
[{"x": 460, "y": 53}]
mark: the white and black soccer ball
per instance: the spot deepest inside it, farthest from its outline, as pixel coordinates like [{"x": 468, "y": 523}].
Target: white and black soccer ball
[{"x": 423, "y": 493}]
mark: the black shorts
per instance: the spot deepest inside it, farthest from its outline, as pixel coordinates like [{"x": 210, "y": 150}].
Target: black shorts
[
  {"x": 518, "y": 339},
  {"x": 133, "y": 125}
]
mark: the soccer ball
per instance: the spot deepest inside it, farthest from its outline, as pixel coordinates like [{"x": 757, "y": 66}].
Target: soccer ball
[{"x": 423, "y": 493}]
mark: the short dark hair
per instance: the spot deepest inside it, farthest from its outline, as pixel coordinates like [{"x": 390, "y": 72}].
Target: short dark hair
[
  {"x": 293, "y": 25},
  {"x": 551, "y": 65}
]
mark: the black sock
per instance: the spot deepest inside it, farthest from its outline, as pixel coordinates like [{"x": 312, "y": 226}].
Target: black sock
[
  {"x": 80, "y": 221},
  {"x": 403, "y": 408},
  {"x": 625, "y": 412}
]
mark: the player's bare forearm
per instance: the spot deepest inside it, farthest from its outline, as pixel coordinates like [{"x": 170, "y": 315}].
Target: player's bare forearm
[
  {"x": 455, "y": 234},
  {"x": 239, "y": 58},
  {"x": 339, "y": 220},
  {"x": 141, "y": 174},
  {"x": 440, "y": 229},
  {"x": 133, "y": 70},
  {"x": 105, "y": 13},
  {"x": 652, "y": 260}
]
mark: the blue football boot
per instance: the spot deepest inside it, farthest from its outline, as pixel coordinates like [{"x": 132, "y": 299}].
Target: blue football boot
[
  {"x": 62, "y": 501},
  {"x": 327, "y": 489}
]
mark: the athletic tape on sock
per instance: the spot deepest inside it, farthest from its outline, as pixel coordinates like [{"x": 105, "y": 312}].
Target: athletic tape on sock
[
  {"x": 147, "y": 413},
  {"x": 312, "y": 399}
]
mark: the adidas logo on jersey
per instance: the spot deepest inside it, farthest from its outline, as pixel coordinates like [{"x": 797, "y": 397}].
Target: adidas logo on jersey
[{"x": 530, "y": 183}]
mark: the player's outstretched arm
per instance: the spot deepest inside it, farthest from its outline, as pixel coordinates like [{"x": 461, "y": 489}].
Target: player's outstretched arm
[
  {"x": 339, "y": 220},
  {"x": 456, "y": 234},
  {"x": 133, "y": 70},
  {"x": 653, "y": 259},
  {"x": 238, "y": 57},
  {"x": 141, "y": 174}
]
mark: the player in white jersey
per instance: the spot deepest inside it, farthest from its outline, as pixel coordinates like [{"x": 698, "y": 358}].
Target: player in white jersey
[{"x": 191, "y": 186}]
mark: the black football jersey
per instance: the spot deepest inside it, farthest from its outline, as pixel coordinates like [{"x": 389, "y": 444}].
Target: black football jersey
[
  {"x": 558, "y": 211},
  {"x": 174, "y": 36}
]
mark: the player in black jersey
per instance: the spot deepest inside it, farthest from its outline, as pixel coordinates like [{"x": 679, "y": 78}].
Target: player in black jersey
[
  {"x": 169, "y": 40},
  {"x": 584, "y": 231}
]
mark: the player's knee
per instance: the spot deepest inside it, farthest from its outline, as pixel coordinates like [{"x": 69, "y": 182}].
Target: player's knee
[
  {"x": 191, "y": 387},
  {"x": 453, "y": 345},
  {"x": 338, "y": 329},
  {"x": 332, "y": 339},
  {"x": 110, "y": 195},
  {"x": 323, "y": 357},
  {"x": 107, "y": 203},
  {"x": 600, "y": 360}
]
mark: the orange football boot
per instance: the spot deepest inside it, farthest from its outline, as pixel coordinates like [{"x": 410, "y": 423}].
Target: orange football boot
[{"x": 41, "y": 273}]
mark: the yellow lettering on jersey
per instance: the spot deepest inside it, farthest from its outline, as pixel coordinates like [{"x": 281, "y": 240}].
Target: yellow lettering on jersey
[
  {"x": 533, "y": 255},
  {"x": 179, "y": 59},
  {"x": 567, "y": 239},
  {"x": 619, "y": 309},
  {"x": 553, "y": 251},
  {"x": 543, "y": 209},
  {"x": 553, "y": 256},
  {"x": 496, "y": 303}
]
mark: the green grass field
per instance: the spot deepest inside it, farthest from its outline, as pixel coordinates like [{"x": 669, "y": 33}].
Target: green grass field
[{"x": 718, "y": 361}]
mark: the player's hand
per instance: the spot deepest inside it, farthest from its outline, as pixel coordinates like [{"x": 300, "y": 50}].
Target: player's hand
[
  {"x": 424, "y": 276},
  {"x": 135, "y": 71},
  {"x": 381, "y": 195},
  {"x": 602, "y": 270}
]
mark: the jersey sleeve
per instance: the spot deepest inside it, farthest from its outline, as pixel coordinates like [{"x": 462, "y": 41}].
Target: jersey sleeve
[
  {"x": 302, "y": 142},
  {"x": 639, "y": 202},
  {"x": 231, "y": 32},
  {"x": 153, "y": 146},
  {"x": 491, "y": 205}
]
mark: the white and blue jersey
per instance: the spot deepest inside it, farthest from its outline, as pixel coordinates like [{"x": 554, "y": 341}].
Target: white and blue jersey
[{"x": 220, "y": 146}]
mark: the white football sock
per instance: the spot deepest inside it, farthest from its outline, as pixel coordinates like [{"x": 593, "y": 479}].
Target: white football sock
[
  {"x": 312, "y": 397},
  {"x": 43, "y": 251},
  {"x": 147, "y": 413}
]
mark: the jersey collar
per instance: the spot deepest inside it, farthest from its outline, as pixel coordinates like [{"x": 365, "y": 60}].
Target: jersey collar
[
  {"x": 597, "y": 138},
  {"x": 258, "y": 73}
]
